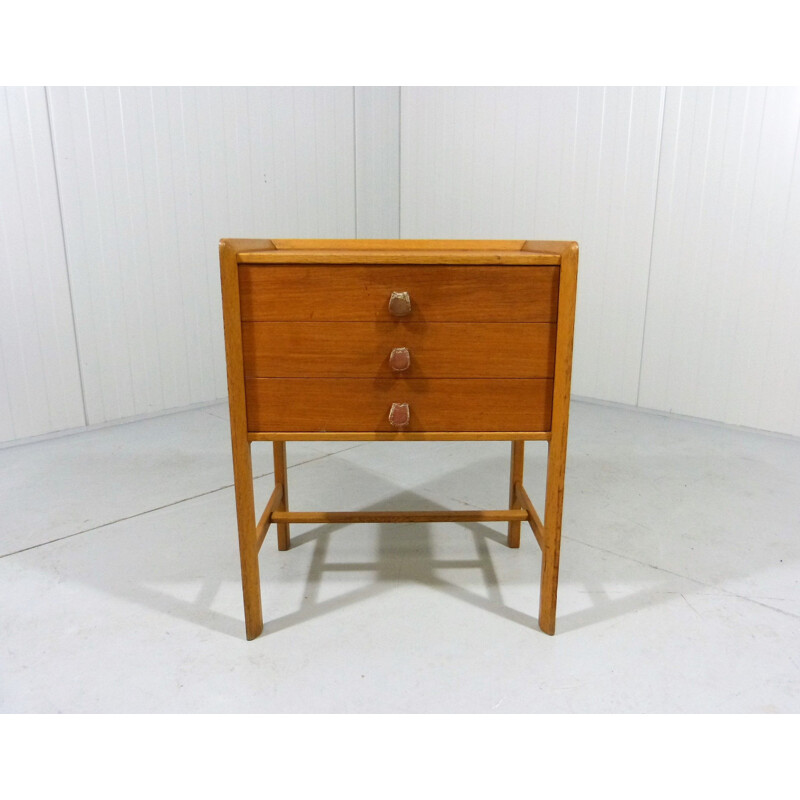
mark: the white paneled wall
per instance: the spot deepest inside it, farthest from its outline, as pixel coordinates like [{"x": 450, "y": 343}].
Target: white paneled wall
[
  {"x": 40, "y": 387},
  {"x": 377, "y": 147},
  {"x": 150, "y": 180},
  {"x": 723, "y": 330},
  {"x": 686, "y": 204},
  {"x": 550, "y": 163}
]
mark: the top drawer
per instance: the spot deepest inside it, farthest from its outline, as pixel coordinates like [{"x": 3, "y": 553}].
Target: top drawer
[{"x": 361, "y": 293}]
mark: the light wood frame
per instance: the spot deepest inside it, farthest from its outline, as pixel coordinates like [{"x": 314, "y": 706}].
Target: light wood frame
[{"x": 252, "y": 532}]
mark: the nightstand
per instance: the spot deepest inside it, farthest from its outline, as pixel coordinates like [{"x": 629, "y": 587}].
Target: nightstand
[{"x": 393, "y": 340}]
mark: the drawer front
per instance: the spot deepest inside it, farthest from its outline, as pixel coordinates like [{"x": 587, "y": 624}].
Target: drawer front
[
  {"x": 357, "y": 405},
  {"x": 363, "y": 349},
  {"x": 361, "y": 293}
]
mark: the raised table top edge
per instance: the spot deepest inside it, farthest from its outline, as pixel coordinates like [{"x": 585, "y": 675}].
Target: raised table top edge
[{"x": 397, "y": 251}]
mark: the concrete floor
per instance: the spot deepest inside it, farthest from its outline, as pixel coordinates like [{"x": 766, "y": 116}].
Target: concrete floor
[{"x": 679, "y": 592}]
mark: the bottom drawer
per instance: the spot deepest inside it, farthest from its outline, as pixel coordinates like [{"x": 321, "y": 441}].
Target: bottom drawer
[{"x": 326, "y": 405}]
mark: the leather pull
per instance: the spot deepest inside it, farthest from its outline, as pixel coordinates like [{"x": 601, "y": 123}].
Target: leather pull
[
  {"x": 399, "y": 304},
  {"x": 400, "y": 359},
  {"x": 399, "y": 415}
]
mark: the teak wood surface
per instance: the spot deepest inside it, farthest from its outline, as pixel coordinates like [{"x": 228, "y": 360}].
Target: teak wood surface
[
  {"x": 360, "y": 405},
  {"x": 308, "y": 333},
  {"x": 360, "y": 293},
  {"x": 362, "y": 349}
]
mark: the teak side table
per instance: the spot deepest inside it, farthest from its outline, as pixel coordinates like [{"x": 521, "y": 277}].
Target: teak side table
[{"x": 398, "y": 340}]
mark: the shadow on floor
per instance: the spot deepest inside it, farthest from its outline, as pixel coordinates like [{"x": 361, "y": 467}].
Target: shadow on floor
[
  {"x": 178, "y": 560},
  {"x": 405, "y": 555}
]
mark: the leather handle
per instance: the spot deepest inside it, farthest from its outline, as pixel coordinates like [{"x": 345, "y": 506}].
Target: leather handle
[
  {"x": 399, "y": 415},
  {"x": 400, "y": 304},
  {"x": 400, "y": 359}
]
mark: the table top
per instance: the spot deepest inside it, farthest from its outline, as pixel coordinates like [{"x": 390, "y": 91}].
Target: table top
[{"x": 398, "y": 251}]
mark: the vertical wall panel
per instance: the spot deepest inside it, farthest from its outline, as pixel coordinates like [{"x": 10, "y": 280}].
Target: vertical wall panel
[
  {"x": 547, "y": 163},
  {"x": 722, "y": 336},
  {"x": 150, "y": 180},
  {"x": 377, "y": 153},
  {"x": 40, "y": 387},
  {"x": 147, "y": 180}
]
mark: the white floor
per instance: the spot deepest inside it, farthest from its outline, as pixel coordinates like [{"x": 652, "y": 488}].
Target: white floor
[{"x": 680, "y": 575}]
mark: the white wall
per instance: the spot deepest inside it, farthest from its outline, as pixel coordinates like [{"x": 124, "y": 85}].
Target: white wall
[
  {"x": 377, "y": 147},
  {"x": 547, "y": 164},
  {"x": 722, "y": 338},
  {"x": 150, "y": 180},
  {"x": 685, "y": 203},
  {"x": 40, "y": 386}
]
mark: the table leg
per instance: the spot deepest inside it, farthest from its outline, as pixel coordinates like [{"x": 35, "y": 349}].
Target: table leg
[
  {"x": 248, "y": 545},
  {"x": 279, "y": 457},
  {"x": 517, "y": 466},
  {"x": 554, "y": 505}
]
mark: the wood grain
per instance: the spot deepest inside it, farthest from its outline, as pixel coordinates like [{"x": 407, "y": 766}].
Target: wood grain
[
  {"x": 517, "y": 469},
  {"x": 400, "y": 251},
  {"x": 398, "y": 436},
  {"x": 360, "y": 404},
  {"x": 488, "y": 515},
  {"x": 310, "y": 334},
  {"x": 240, "y": 444},
  {"x": 282, "y": 480},
  {"x": 362, "y": 349},
  {"x": 557, "y": 447},
  {"x": 361, "y": 293},
  {"x": 524, "y": 501},
  {"x": 398, "y": 245},
  {"x": 266, "y": 515},
  {"x": 383, "y": 257}
]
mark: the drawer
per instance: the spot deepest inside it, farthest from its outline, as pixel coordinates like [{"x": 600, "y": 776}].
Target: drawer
[
  {"x": 327, "y": 405},
  {"x": 361, "y": 293},
  {"x": 362, "y": 349}
]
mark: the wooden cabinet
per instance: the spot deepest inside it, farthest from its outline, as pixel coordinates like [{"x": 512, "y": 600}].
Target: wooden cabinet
[{"x": 398, "y": 340}]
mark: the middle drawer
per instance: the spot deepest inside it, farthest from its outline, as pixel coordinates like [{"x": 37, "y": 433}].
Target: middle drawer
[{"x": 363, "y": 349}]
